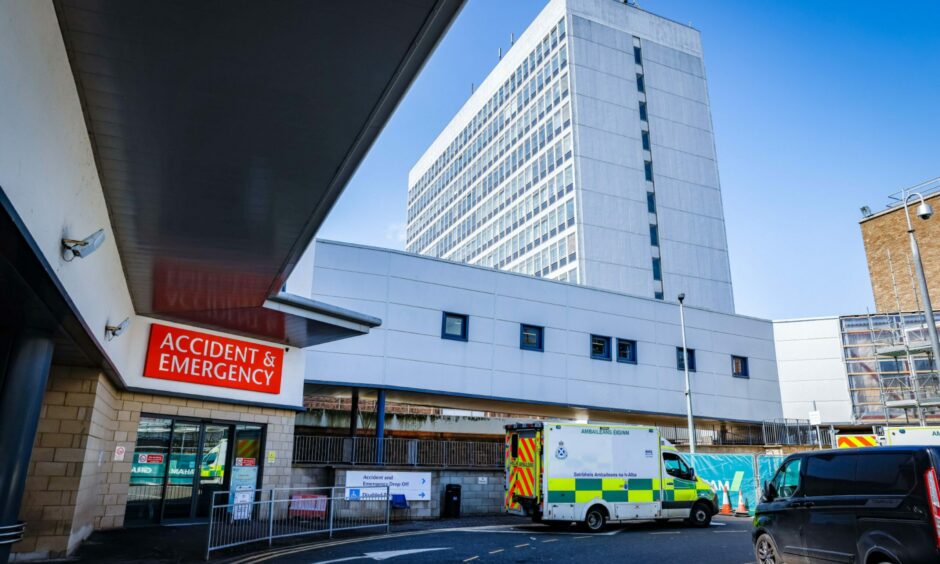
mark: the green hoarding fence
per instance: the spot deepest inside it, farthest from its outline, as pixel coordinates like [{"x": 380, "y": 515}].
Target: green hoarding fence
[{"x": 744, "y": 473}]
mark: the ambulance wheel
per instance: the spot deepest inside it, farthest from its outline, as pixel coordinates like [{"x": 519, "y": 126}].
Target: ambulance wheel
[
  {"x": 596, "y": 519},
  {"x": 700, "y": 516}
]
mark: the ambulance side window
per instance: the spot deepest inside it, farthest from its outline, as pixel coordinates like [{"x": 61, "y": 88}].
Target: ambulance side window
[
  {"x": 515, "y": 446},
  {"x": 676, "y": 467}
]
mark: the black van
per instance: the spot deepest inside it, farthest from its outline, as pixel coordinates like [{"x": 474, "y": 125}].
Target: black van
[{"x": 863, "y": 505}]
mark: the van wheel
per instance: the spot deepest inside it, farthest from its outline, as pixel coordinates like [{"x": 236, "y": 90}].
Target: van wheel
[
  {"x": 595, "y": 519},
  {"x": 765, "y": 549},
  {"x": 700, "y": 516}
]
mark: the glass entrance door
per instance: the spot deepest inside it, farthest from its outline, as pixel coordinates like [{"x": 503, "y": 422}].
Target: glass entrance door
[
  {"x": 178, "y": 465},
  {"x": 184, "y": 448},
  {"x": 212, "y": 467}
]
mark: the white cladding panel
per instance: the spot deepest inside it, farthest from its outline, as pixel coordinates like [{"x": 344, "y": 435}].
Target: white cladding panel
[
  {"x": 407, "y": 351},
  {"x": 811, "y": 369}
]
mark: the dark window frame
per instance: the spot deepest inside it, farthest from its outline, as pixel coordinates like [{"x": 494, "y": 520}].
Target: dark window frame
[
  {"x": 644, "y": 112},
  {"x": 651, "y": 202},
  {"x": 648, "y": 170},
  {"x": 605, "y": 355},
  {"x": 645, "y": 140},
  {"x": 657, "y": 267},
  {"x": 539, "y": 346},
  {"x": 654, "y": 234},
  {"x": 691, "y": 355},
  {"x": 465, "y": 327},
  {"x": 629, "y": 359},
  {"x": 637, "y": 55},
  {"x": 640, "y": 83},
  {"x": 745, "y": 372}
]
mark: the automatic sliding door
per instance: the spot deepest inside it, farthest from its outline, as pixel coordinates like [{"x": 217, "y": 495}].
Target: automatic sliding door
[
  {"x": 184, "y": 448},
  {"x": 213, "y": 466},
  {"x": 148, "y": 470}
]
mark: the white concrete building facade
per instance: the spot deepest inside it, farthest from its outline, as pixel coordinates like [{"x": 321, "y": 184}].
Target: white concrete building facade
[
  {"x": 409, "y": 352},
  {"x": 587, "y": 155}
]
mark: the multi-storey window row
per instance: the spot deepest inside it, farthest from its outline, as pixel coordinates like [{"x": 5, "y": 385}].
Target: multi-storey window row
[
  {"x": 552, "y": 258},
  {"x": 517, "y": 82},
  {"x": 536, "y": 232},
  {"x": 648, "y": 172},
  {"x": 528, "y": 207},
  {"x": 523, "y": 166}
]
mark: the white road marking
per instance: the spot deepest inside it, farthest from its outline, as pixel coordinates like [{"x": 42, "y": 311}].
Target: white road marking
[
  {"x": 522, "y": 545},
  {"x": 667, "y": 533},
  {"x": 385, "y": 555},
  {"x": 472, "y": 558},
  {"x": 497, "y": 551},
  {"x": 718, "y": 524},
  {"x": 716, "y": 532},
  {"x": 550, "y": 540}
]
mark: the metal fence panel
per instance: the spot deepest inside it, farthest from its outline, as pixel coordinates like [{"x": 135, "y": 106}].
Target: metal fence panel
[{"x": 287, "y": 512}]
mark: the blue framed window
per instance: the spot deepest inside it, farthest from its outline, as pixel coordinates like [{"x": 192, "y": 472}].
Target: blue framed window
[
  {"x": 455, "y": 326},
  {"x": 531, "y": 337},
  {"x": 645, "y": 137},
  {"x": 680, "y": 365},
  {"x": 643, "y": 115},
  {"x": 648, "y": 170},
  {"x": 626, "y": 351},
  {"x": 657, "y": 269},
  {"x": 639, "y": 83},
  {"x": 637, "y": 55},
  {"x": 654, "y": 235},
  {"x": 739, "y": 367},
  {"x": 651, "y": 202},
  {"x": 659, "y": 296},
  {"x": 600, "y": 347}
]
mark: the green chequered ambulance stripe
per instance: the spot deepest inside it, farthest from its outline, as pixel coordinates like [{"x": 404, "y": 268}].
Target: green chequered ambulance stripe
[
  {"x": 684, "y": 490},
  {"x": 583, "y": 490}
]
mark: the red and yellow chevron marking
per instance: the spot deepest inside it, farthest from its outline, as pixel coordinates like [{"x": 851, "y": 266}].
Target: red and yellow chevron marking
[
  {"x": 522, "y": 474},
  {"x": 856, "y": 441}
]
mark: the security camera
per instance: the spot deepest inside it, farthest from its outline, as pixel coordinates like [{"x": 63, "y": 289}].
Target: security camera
[
  {"x": 924, "y": 210},
  {"x": 112, "y": 331},
  {"x": 82, "y": 248},
  {"x": 681, "y": 297}
]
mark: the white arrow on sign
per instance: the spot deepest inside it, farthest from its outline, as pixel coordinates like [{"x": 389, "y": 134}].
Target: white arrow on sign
[{"x": 382, "y": 555}]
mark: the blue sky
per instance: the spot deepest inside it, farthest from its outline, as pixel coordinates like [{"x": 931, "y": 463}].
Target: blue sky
[{"x": 818, "y": 107}]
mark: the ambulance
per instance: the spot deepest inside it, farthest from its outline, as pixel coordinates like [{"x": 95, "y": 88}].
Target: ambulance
[
  {"x": 906, "y": 436},
  {"x": 560, "y": 472}
]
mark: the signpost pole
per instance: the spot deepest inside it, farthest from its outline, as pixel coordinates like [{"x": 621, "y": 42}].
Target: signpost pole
[
  {"x": 332, "y": 502},
  {"x": 388, "y": 509},
  {"x": 271, "y": 520}
]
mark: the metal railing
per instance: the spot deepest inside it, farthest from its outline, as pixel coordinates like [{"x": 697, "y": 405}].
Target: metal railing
[
  {"x": 310, "y": 449},
  {"x": 316, "y": 449},
  {"x": 245, "y": 517}
]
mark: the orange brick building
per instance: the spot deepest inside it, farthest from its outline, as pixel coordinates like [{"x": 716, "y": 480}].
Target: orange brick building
[{"x": 885, "y": 235}]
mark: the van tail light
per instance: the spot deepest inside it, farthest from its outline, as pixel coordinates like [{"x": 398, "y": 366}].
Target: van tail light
[{"x": 933, "y": 494}]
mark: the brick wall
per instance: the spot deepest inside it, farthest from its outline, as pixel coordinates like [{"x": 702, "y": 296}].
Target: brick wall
[
  {"x": 75, "y": 486},
  {"x": 889, "y": 232}
]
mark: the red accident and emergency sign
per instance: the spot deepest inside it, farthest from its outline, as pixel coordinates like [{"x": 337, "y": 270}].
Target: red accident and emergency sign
[{"x": 200, "y": 358}]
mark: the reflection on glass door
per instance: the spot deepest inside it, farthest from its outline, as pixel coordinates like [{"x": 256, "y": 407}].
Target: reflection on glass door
[
  {"x": 148, "y": 469},
  {"x": 212, "y": 468},
  {"x": 184, "y": 448}
]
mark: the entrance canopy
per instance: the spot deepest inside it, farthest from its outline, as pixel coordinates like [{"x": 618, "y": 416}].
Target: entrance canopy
[{"x": 223, "y": 133}]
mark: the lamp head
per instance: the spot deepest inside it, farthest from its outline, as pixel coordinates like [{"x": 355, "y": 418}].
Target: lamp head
[
  {"x": 681, "y": 297},
  {"x": 924, "y": 210}
]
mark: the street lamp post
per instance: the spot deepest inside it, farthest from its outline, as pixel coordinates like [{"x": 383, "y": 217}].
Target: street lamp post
[
  {"x": 688, "y": 384},
  {"x": 924, "y": 211}
]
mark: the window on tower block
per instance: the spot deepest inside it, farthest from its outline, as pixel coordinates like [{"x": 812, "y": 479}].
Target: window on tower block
[
  {"x": 639, "y": 83},
  {"x": 651, "y": 202},
  {"x": 654, "y": 235},
  {"x": 648, "y": 170},
  {"x": 455, "y": 326},
  {"x": 637, "y": 55},
  {"x": 646, "y": 140},
  {"x": 643, "y": 116},
  {"x": 657, "y": 269},
  {"x": 600, "y": 347}
]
